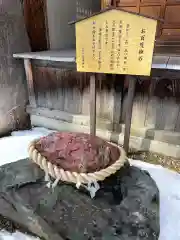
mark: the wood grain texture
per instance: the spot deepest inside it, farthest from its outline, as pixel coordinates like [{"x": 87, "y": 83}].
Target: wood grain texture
[
  {"x": 30, "y": 82},
  {"x": 93, "y": 105},
  {"x": 155, "y": 106},
  {"x": 128, "y": 115},
  {"x": 35, "y": 19},
  {"x": 162, "y": 9}
]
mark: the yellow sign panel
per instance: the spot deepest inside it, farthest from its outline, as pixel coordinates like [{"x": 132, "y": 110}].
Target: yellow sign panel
[{"x": 115, "y": 42}]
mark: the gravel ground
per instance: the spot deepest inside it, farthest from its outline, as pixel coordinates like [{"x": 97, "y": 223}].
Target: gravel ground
[
  {"x": 167, "y": 162},
  {"x": 7, "y": 225},
  {"x": 11, "y": 227}
]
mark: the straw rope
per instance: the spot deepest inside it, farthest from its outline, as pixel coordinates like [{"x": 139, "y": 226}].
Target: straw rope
[{"x": 74, "y": 177}]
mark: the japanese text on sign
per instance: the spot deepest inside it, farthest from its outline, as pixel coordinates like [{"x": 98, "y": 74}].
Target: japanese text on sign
[
  {"x": 112, "y": 60},
  {"x": 122, "y": 43},
  {"x": 141, "y": 45},
  {"x": 119, "y": 44},
  {"x": 94, "y": 39}
]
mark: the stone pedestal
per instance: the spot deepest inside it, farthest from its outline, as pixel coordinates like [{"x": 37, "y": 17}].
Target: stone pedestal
[{"x": 126, "y": 207}]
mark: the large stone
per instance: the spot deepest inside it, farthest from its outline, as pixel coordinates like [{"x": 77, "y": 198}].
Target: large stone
[
  {"x": 77, "y": 152},
  {"x": 126, "y": 207},
  {"x": 13, "y": 92}
]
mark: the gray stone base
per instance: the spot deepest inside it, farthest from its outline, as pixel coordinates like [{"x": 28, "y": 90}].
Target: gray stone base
[
  {"x": 141, "y": 139},
  {"x": 126, "y": 207}
]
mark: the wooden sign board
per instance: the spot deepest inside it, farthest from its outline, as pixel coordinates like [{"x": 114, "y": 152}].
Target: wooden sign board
[{"x": 115, "y": 42}]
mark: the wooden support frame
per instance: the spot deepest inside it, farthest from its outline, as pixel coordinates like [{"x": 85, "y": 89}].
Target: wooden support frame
[
  {"x": 131, "y": 91},
  {"x": 122, "y": 100},
  {"x": 30, "y": 82},
  {"x": 93, "y": 105}
]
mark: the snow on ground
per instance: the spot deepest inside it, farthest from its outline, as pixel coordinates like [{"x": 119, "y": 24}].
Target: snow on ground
[
  {"x": 15, "y": 148},
  {"x": 15, "y": 236},
  {"x": 168, "y": 183}
]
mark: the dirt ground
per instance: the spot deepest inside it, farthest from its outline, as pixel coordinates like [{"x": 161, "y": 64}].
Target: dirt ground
[
  {"x": 167, "y": 162},
  {"x": 11, "y": 227}
]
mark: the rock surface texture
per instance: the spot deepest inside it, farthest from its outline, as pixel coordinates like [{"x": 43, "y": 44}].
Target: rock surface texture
[
  {"x": 13, "y": 93},
  {"x": 126, "y": 207},
  {"x": 77, "y": 152}
]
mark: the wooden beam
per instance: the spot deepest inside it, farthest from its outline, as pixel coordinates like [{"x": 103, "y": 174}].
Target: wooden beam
[
  {"x": 114, "y": 3},
  {"x": 93, "y": 105},
  {"x": 30, "y": 83},
  {"x": 131, "y": 91},
  {"x": 122, "y": 99}
]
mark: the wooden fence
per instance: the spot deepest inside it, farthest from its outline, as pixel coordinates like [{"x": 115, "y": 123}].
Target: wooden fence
[{"x": 156, "y": 103}]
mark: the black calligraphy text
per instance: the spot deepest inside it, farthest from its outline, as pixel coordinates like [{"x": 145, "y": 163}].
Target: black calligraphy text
[
  {"x": 94, "y": 39},
  {"x": 112, "y": 57},
  {"x": 126, "y": 43},
  {"x": 141, "y": 45},
  {"x": 99, "y": 48}
]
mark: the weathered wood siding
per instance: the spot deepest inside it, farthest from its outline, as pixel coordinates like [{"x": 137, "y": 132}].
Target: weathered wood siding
[
  {"x": 13, "y": 38},
  {"x": 69, "y": 91},
  {"x": 156, "y": 103}
]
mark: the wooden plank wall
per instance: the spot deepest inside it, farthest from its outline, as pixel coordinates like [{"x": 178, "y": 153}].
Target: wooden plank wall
[
  {"x": 69, "y": 91},
  {"x": 156, "y": 103},
  {"x": 167, "y": 10}
]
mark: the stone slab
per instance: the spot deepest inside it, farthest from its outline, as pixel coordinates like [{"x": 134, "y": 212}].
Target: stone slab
[
  {"x": 104, "y": 124},
  {"x": 57, "y": 56},
  {"x": 139, "y": 143}
]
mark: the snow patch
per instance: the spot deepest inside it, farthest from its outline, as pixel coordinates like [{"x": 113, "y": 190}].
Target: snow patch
[{"x": 15, "y": 236}]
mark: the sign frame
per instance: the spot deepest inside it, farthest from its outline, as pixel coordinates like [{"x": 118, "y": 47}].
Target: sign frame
[
  {"x": 132, "y": 82},
  {"x": 117, "y": 42}
]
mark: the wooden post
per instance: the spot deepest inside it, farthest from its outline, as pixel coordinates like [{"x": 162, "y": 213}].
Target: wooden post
[
  {"x": 122, "y": 100},
  {"x": 30, "y": 84},
  {"x": 93, "y": 105},
  {"x": 131, "y": 91},
  {"x": 114, "y": 3}
]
